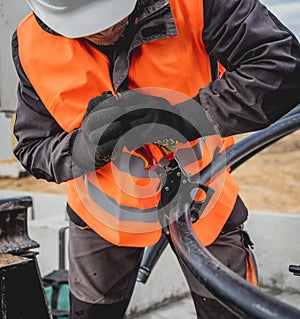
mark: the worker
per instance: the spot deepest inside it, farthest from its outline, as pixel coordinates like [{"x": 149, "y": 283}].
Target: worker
[{"x": 110, "y": 90}]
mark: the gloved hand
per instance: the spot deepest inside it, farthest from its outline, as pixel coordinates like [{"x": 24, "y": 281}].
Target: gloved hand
[
  {"x": 93, "y": 144},
  {"x": 151, "y": 119},
  {"x": 135, "y": 119}
]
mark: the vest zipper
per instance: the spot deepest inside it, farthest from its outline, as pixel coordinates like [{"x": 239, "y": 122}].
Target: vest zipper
[
  {"x": 158, "y": 13},
  {"x": 154, "y": 15}
]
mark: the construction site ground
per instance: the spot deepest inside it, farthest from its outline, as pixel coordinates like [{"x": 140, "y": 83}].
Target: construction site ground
[{"x": 184, "y": 308}]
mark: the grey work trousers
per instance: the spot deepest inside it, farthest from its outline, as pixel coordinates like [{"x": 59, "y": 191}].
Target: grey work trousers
[{"x": 102, "y": 276}]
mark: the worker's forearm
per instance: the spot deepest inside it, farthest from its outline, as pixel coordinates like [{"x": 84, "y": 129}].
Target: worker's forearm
[
  {"x": 263, "y": 62},
  {"x": 43, "y": 147}
]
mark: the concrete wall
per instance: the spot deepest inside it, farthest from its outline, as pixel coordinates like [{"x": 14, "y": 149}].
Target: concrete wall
[
  {"x": 9, "y": 165},
  {"x": 11, "y": 13}
]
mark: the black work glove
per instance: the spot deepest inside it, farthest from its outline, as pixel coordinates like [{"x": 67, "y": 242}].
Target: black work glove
[
  {"x": 150, "y": 119},
  {"x": 93, "y": 144},
  {"x": 134, "y": 119}
]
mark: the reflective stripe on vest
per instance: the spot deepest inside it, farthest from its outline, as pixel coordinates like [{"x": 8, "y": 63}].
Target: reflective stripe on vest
[{"x": 67, "y": 73}]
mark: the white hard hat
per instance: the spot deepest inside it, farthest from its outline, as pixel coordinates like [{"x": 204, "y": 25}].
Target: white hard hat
[{"x": 79, "y": 18}]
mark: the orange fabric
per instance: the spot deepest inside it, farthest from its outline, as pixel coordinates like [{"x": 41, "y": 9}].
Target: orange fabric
[
  {"x": 210, "y": 224},
  {"x": 140, "y": 192},
  {"x": 136, "y": 235},
  {"x": 185, "y": 68},
  {"x": 228, "y": 142},
  {"x": 62, "y": 76},
  {"x": 251, "y": 270},
  {"x": 221, "y": 69},
  {"x": 212, "y": 143},
  {"x": 67, "y": 73}
]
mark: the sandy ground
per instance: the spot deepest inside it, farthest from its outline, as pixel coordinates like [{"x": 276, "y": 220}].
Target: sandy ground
[
  {"x": 268, "y": 181},
  {"x": 271, "y": 179}
]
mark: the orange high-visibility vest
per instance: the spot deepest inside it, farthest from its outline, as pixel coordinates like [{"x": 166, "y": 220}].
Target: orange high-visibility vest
[{"x": 119, "y": 200}]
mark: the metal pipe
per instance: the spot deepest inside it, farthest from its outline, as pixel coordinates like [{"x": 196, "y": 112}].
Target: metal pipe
[
  {"x": 231, "y": 290},
  {"x": 295, "y": 269},
  {"x": 242, "y": 150},
  {"x": 235, "y": 293},
  {"x": 62, "y": 247},
  {"x": 234, "y": 157},
  {"x": 292, "y": 113},
  {"x": 150, "y": 258}
]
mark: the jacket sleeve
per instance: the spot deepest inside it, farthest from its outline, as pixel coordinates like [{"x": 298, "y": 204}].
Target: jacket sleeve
[
  {"x": 43, "y": 147},
  {"x": 262, "y": 58}
]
